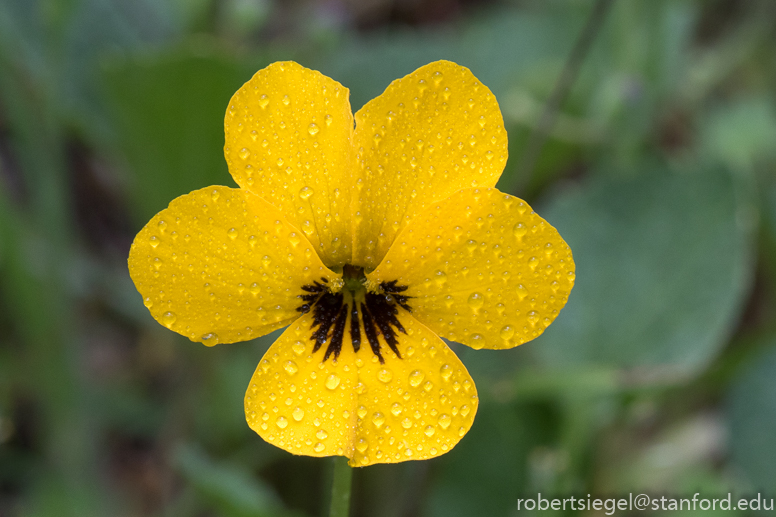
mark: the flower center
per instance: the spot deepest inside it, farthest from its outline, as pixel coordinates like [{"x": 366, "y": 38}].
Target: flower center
[{"x": 351, "y": 309}]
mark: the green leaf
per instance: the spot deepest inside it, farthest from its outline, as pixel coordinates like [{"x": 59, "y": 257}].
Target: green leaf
[
  {"x": 663, "y": 264},
  {"x": 752, "y": 419},
  {"x": 169, "y": 113}
]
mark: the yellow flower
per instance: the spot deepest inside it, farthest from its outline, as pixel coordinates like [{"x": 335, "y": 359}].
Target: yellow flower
[{"x": 371, "y": 243}]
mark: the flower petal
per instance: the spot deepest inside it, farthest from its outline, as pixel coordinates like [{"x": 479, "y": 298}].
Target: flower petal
[
  {"x": 412, "y": 408},
  {"x": 221, "y": 265},
  {"x": 434, "y": 132},
  {"x": 289, "y": 140},
  {"x": 484, "y": 269}
]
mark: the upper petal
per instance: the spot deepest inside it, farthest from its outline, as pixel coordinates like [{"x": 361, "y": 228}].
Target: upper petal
[
  {"x": 483, "y": 269},
  {"x": 289, "y": 140},
  {"x": 434, "y": 132},
  {"x": 221, "y": 265},
  {"x": 412, "y": 408}
]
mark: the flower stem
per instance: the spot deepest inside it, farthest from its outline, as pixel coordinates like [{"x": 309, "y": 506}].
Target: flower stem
[{"x": 340, "y": 488}]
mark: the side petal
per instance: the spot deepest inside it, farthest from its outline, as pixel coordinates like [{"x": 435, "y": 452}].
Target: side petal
[
  {"x": 434, "y": 132},
  {"x": 289, "y": 139},
  {"x": 482, "y": 268},
  {"x": 221, "y": 265},
  {"x": 412, "y": 408}
]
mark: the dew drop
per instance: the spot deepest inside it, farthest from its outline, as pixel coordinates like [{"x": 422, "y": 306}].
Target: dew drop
[
  {"x": 313, "y": 129},
  {"x": 319, "y": 447},
  {"x": 305, "y": 193},
  {"x": 446, "y": 371},
  {"x": 429, "y": 431},
  {"x": 263, "y": 101},
  {"x": 210, "y": 339},
  {"x": 476, "y": 300},
  {"x": 378, "y": 419},
  {"x": 168, "y": 318},
  {"x": 332, "y": 381},
  {"x": 406, "y": 423},
  {"x": 298, "y": 414},
  {"x": 416, "y": 377},
  {"x": 298, "y": 347},
  {"x": 362, "y": 445},
  {"x": 321, "y": 434},
  {"x": 507, "y": 332},
  {"x": 385, "y": 375},
  {"x": 476, "y": 341},
  {"x": 148, "y": 302},
  {"x": 215, "y": 194},
  {"x": 444, "y": 420},
  {"x": 281, "y": 422},
  {"x": 396, "y": 409},
  {"x": 519, "y": 230},
  {"x": 245, "y": 153},
  {"x": 232, "y": 233},
  {"x": 290, "y": 367}
]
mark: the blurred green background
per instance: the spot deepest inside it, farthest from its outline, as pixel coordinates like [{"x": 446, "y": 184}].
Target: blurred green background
[{"x": 660, "y": 172}]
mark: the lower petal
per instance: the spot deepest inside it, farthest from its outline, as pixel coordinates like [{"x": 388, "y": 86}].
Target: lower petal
[{"x": 410, "y": 408}]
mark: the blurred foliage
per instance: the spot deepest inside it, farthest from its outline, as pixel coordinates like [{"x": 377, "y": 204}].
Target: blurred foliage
[{"x": 659, "y": 375}]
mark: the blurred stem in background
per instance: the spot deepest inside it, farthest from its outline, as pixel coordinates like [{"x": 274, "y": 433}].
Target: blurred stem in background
[
  {"x": 539, "y": 133},
  {"x": 39, "y": 256}
]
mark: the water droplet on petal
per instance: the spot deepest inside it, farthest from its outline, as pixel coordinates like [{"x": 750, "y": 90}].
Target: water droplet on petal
[
  {"x": 298, "y": 347},
  {"x": 446, "y": 371},
  {"x": 305, "y": 193},
  {"x": 168, "y": 318},
  {"x": 476, "y": 341},
  {"x": 444, "y": 420},
  {"x": 385, "y": 375},
  {"x": 476, "y": 300},
  {"x": 519, "y": 230},
  {"x": 290, "y": 367},
  {"x": 245, "y": 153},
  {"x": 210, "y": 339},
  {"x": 313, "y": 129},
  {"x": 298, "y": 414},
  {"x": 429, "y": 431},
  {"x": 281, "y": 422},
  {"x": 416, "y": 377},
  {"x": 332, "y": 381},
  {"x": 507, "y": 332},
  {"x": 319, "y": 447},
  {"x": 378, "y": 419}
]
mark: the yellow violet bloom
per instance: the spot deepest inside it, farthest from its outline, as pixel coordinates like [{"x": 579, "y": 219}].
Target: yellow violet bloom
[{"x": 371, "y": 240}]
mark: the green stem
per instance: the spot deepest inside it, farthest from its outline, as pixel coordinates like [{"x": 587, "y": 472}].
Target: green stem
[
  {"x": 340, "y": 488},
  {"x": 562, "y": 88}
]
